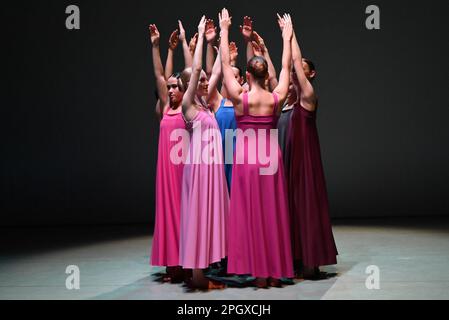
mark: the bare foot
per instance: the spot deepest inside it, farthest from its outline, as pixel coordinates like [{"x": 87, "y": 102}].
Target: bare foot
[
  {"x": 166, "y": 278},
  {"x": 176, "y": 274},
  {"x": 206, "y": 285},
  {"x": 274, "y": 283},
  {"x": 215, "y": 285},
  {"x": 199, "y": 281},
  {"x": 261, "y": 283}
]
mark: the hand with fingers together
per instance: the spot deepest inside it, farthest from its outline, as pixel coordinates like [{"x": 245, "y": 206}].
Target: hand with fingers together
[
  {"x": 182, "y": 32},
  {"x": 224, "y": 19},
  {"x": 173, "y": 40},
  {"x": 154, "y": 35},
  {"x": 192, "y": 43},
  {"x": 202, "y": 26},
  {"x": 287, "y": 30},
  {"x": 280, "y": 21},
  {"x": 257, "y": 49},
  {"x": 233, "y": 52},
  {"x": 259, "y": 41}
]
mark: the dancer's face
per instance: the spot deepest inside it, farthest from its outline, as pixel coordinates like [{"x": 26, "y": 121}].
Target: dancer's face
[
  {"x": 309, "y": 73},
  {"x": 237, "y": 75},
  {"x": 203, "y": 85},
  {"x": 174, "y": 94}
]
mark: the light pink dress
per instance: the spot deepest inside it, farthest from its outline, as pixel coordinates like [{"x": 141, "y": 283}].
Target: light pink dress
[{"x": 205, "y": 199}]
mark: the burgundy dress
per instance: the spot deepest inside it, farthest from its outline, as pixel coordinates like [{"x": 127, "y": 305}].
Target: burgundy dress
[{"x": 312, "y": 240}]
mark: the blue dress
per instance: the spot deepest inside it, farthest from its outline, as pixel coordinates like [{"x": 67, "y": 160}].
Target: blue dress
[{"x": 226, "y": 120}]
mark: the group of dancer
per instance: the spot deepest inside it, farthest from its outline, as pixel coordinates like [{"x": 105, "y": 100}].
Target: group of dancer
[{"x": 267, "y": 226}]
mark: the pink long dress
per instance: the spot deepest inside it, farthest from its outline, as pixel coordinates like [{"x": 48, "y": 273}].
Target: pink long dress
[
  {"x": 259, "y": 232},
  {"x": 312, "y": 239},
  {"x": 205, "y": 198},
  {"x": 165, "y": 251}
]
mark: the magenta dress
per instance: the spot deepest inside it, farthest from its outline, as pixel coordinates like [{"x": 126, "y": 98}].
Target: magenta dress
[
  {"x": 165, "y": 250},
  {"x": 312, "y": 239},
  {"x": 259, "y": 231},
  {"x": 205, "y": 198}
]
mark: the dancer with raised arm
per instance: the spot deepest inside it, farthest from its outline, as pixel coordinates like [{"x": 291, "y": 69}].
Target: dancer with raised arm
[
  {"x": 284, "y": 134},
  {"x": 222, "y": 107},
  {"x": 313, "y": 242},
  {"x": 205, "y": 199},
  {"x": 165, "y": 247},
  {"x": 259, "y": 232},
  {"x": 255, "y": 45},
  {"x": 172, "y": 44}
]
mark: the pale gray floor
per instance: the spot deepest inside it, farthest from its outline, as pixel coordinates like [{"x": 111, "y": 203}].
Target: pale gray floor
[{"x": 412, "y": 256}]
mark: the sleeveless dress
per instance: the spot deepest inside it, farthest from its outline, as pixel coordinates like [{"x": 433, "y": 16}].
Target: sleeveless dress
[
  {"x": 226, "y": 120},
  {"x": 165, "y": 249},
  {"x": 259, "y": 231},
  {"x": 284, "y": 137},
  {"x": 312, "y": 239},
  {"x": 205, "y": 198}
]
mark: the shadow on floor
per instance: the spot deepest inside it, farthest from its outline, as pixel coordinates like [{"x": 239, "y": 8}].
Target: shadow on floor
[{"x": 150, "y": 287}]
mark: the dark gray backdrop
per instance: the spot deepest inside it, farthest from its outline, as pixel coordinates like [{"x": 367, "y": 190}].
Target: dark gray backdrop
[{"x": 80, "y": 137}]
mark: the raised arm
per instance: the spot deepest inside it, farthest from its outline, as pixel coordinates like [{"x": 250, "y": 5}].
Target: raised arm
[
  {"x": 233, "y": 88},
  {"x": 192, "y": 44},
  {"x": 161, "y": 83},
  {"x": 185, "y": 46},
  {"x": 188, "y": 100},
  {"x": 213, "y": 95},
  {"x": 307, "y": 94},
  {"x": 284, "y": 76},
  {"x": 247, "y": 30},
  {"x": 272, "y": 80},
  {"x": 211, "y": 34},
  {"x": 233, "y": 53},
  {"x": 172, "y": 44}
]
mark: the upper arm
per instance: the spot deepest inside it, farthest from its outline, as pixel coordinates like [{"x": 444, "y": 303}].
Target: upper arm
[
  {"x": 307, "y": 93},
  {"x": 158, "y": 109},
  {"x": 188, "y": 100},
  {"x": 162, "y": 92},
  {"x": 233, "y": 88},
  {"x": 282, "y": 88},
  {"x": 214, "y": 78},
  {"x": 214, "y": 100}
]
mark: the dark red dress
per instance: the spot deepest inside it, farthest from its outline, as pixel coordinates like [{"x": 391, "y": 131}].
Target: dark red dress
[{"x": 311, "y": 231}]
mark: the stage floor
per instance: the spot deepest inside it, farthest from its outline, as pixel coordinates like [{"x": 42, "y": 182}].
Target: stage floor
[{"x": 412, "y": 255}]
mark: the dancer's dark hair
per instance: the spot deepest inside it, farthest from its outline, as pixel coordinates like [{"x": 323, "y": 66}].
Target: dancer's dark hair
[
  {"x": 258, "y": 68},
  {"x": 310, "y": 63}
]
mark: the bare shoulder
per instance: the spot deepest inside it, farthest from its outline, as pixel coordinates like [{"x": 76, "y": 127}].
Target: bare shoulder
[
  {"x": 238, "y": 104},
  {"x": 309, "y": 103}
]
